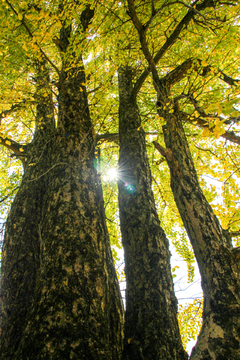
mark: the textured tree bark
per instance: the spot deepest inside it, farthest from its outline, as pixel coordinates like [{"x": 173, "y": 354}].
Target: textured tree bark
[
  {"x": 21, "y": 248},
  {"x": 61, "y": 298},
  {"x": 220, "y": 334},
  {"x": 151, "y": 327}
]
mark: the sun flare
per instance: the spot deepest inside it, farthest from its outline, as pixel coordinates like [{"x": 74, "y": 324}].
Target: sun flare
[{"x": 112, "y": 173}]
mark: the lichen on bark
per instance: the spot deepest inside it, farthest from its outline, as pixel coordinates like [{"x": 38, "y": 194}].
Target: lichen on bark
[
  {"x": 151, "y": 327},
  {"x": 219, "y": 337},
  {"x": 60, "y": 294}
]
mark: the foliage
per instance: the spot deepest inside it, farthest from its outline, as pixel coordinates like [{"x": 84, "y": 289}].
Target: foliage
[
  {"x": 207, "y": 96},
  {"x": 189, "y": 317}
]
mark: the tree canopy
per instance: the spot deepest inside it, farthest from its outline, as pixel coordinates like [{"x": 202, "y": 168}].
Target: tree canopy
[{"x": 181, "y": 57}]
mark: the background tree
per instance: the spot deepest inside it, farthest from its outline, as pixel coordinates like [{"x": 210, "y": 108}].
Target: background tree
[
  {"x": 74, "y": 111},
  {"x": 218, "y": 265},
  {"x": 151, "y": 328}
]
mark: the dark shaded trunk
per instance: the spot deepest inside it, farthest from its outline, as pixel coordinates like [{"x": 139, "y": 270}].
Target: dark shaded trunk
[
  {"x": 21, "y": 247},
  {"x": 20, "y": 260},
  {"x": 61, "y": 297},
  {"x": 151, "y": 327},
  {"x": 220, "y": 334}
]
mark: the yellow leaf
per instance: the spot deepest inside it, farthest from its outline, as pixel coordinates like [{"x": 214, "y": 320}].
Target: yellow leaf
[
  {"x": 34, "y": 46},
  {"x": 218, "y": 131},
  {"x": 206, "y": 132},
  {"x": 24, "y": 46},
  {"x": 21, "y": 149},
  {"x": 225, "y": 223},
  {"x": 7, "y": 142},
  {"x": 235, "y": 113},
  {"x": 216, "y": 107},
  {"x": 204, "y": 63}
]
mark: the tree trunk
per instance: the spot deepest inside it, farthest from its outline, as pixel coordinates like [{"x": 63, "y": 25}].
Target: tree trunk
[
  {"x": 61, "y": 298},
  {"x": 21, "y": 247},
  {"x": 151, "y": 327},
  {"x": 220, "y": 334}
]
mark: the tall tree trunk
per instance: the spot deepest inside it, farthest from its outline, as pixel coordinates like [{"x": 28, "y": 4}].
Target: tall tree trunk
[
  {"x": 58, "y": 246},
  {"x": 220, "y": 334},
  {"x": 151, "y": 327},
  {"x": 21, "y": 247}
]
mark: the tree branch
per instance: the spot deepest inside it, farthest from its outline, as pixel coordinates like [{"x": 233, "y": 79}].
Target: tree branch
[
  {"x": 133, "y": 15},
  {"x": 234, "y": 233},
  {"x": 31, "y": 35},
  {"x": 202, "y": 113},
  {"x": 7, "y": 196},
  {"x": 228, "y": 135},
  {"x": 176, "y": 75},
  {"x": 18, "y": 149},
  {"x": 227, "y": 79},
  {"x": 171, "y": 40},
  {"x": 142, "y": 35},
  {"x": 236, "y": 253},
  {"x": 13, "y": 108},
  {"x": 107, "y": 137},
  {"x": 86, "y": 17},
  {"x": 115, "y": 136},
  {"x": 165, "y": 152},
  {"x": 196, "y": 64}
]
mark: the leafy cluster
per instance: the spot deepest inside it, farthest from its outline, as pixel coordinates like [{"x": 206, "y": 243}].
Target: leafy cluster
[{"x": 207, "y": 94}]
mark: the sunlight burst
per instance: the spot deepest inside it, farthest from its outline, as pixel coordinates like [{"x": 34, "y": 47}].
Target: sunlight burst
[{"x": 112, "y": 173}]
